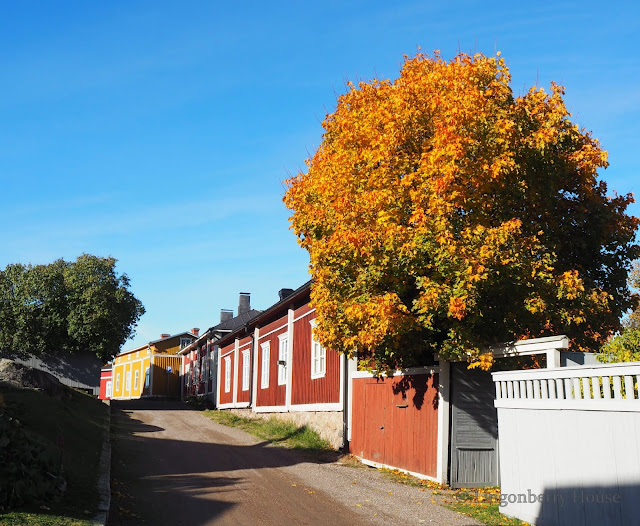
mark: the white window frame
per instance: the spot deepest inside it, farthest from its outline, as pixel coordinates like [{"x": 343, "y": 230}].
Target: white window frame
[
  {"x": 185, "y": 342},
  {"x": 117, "y": 382},
  {"x": 127, "y": 381},
  {"x": 147, "y": 378},
  {"x": 266, "y": 363},
  {"x": 227, "y": 374},
  {"x": 283, "y": 356},
  {"x": 136, "y": 379},
  {"x": 318, "y": 356},
  {"x": 109, "y": 390},
  {"x": 245, "y": 370}
]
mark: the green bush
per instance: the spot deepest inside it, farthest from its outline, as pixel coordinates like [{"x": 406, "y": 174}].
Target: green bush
[
  {"x": 625, "y": 347},
  {"x": 28, "y": 472},
  {"x": 200, "y": 402}
]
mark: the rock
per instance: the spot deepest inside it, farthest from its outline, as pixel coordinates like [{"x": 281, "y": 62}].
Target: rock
[{"x": 17, "y": 375}]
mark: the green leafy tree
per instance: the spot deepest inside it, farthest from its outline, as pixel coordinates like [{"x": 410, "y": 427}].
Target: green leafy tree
[
  {"x": 633, "y": 321},
  {"x": 442, "y": 214},
  {"x": 67, "y": 306},
  {"x": 625, "y": 347}
]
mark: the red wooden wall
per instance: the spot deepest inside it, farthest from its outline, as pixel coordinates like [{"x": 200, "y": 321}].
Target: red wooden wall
[
  {"x": 245, "y": 345},
  {"x": 105, "y": 376},
  {"x": 395, "y": 422},
  {"x": 275, "y": 394},
  {"x": 226, "y": 398},
  {"x": 305, "y": 390}
]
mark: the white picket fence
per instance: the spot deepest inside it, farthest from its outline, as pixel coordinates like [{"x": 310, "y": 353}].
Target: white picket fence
[
  {"x": 569, "y": 442},
  {"x": 606, "y": 387}
]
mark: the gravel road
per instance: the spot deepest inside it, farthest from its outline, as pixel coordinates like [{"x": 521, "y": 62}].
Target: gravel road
[{"x": 171, "y": 465}]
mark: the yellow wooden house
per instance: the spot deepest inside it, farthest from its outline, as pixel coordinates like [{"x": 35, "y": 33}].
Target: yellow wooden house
[{"x": 152, "y": 369}]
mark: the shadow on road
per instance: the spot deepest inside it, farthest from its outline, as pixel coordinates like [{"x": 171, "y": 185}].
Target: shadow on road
[
  {"x": 151, "y": 404},
  {"x": 188, "y": 479}
]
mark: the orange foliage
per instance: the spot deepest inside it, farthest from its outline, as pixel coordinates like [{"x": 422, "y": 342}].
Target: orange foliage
[{"x": 443, "y": 214}]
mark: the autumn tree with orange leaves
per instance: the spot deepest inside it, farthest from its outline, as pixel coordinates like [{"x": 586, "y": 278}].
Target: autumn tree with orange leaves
[{"x": 443, "y": 214}]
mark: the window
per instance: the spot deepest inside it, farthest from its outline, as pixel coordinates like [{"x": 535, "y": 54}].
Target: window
[
  {"x": 127, "y": 382},
  {"x": 318, "y": 357},
  {"x": 108, "y": 394},
  {"x": 245, "y": 370},
  {"x": 146, "y": 379},
  {"x": 117, "y": 382},
  {"x": 283, "y": 352},
  {"x": 266, "y": 359},
  {"x": 227, "y": 374},
  {"x": 185, "y": 342},
  {"x": 136, "y": 379}
]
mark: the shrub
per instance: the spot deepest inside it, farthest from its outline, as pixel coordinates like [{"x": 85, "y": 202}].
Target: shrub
[{"x": 28, "y": 472}]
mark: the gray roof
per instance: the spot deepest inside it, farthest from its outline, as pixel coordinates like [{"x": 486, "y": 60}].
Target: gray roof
[{"x": 237, "y": 322}]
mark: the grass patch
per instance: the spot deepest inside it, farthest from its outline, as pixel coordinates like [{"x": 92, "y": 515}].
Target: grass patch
[
  {"x": 273, "y": 430},
  {"x": 72, "y": 429},
  {"x": 483, "y": 504},
  {"x": 480, "y": 503},
  {"x": 401, "y": 477},
  {"x": 15, "y": 518}
]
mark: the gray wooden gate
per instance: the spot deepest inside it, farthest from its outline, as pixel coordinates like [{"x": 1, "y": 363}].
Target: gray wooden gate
[{"x": 474, "y": 429}]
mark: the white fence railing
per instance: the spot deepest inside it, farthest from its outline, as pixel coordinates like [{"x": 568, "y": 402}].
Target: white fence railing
[
  {"x": 606, "y": 387},
  {"x": 569, "y": 444}
]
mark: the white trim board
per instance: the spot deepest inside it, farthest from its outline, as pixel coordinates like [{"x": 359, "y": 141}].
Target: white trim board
[
  {"x": 303, "y": 315},
  {"x": 413, "y": 473},
  {"x": 274, "y": 330}
]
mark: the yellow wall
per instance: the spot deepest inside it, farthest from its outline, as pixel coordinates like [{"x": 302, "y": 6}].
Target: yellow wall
[
  {"x": 125, "y": 367},
  {"x": 129, "y": 374}
]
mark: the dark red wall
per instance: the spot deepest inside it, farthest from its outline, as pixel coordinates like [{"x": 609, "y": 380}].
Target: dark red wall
[
  {"x": 226, "y": 398},
  {"x": 243, "y": 396},
  {"x": 275, "y": 394},
  {"x": 304, "y": 389}
]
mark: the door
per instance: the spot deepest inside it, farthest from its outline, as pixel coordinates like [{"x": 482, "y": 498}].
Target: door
[
  {"x": 375, "y": 434},
  {"x": 474, "y": 429}
]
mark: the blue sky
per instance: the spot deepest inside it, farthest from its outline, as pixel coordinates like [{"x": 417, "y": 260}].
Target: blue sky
[{"x": 160, "y": 132}]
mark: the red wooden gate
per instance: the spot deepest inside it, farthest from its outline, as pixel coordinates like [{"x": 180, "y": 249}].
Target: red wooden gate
[{"x": 395, "y": 422}]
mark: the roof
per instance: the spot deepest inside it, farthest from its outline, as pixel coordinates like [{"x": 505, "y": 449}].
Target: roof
[
  {"x": 239, "y": 321},
  {"x": 141, "y": 347},
  {"x": 295, "y": 295},
  {"x": 226, "y": 326}
]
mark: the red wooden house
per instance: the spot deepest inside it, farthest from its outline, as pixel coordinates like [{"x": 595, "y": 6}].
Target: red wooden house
[
  {"x": 200, "y": 362},
  {"x": 437, "y": 422},
  {"x": 106, "y": 383},
  {"x": 196, "y": 373},
  {"x": 273, "y": 364}
]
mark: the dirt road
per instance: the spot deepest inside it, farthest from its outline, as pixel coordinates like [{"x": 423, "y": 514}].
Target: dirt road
[{"x": 171, "y": 465}]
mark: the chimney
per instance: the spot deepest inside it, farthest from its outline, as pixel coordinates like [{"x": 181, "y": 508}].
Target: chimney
[
  {"x": 225, "y": 315},
  {"x": 283, "y": 293},
  {"x": 195, "y": 332},
  {"x": 244, "y": 304},
  {"x": 163, "y": 335}
]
